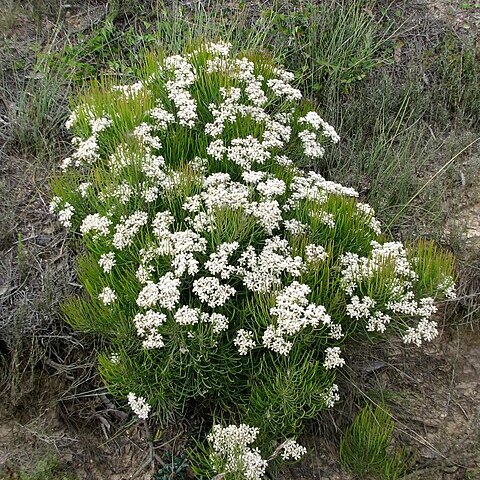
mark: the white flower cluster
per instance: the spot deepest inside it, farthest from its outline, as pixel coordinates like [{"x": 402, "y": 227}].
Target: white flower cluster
[
  {"x": 161, "y": 116},
  {"x": 263, "y": 271},
  {"x": 295, "y": 227},
  {"x": 64, "y": 214},
  {"x": 139, "y": 405},
  {"x": 83, "y": 188},
  {"x": 311, "y": 146},
  {"x": 96, "y": 223},
  {"x": 331, "y": 396},
  {"x": 244, "y": 341},
  {"x": 107, "y": 261},
  {"x": 165, "y": 293},
  {"x": 177, "y": 89},
  {"x": 367, "y": 211},
  {"x": 87, "y": 149},
  {"x": 191, "y": 316},
  {"x": 291, "y": 450},
  {"x": 360, "y": 309},
  {"x": 144, "y": 133},
  {"x": 315, "y": 121},
  {"x": 333, "y": 358},
  {"x": 147, "y": 326},
  {"x": 210, "y": 291},
  {"x": 107, "y": 296},
  {"x": 293, "y": 312},
  {"x": 218, "y": 261},
  {"x": 232, "y": 451},
  {"x": 391, "y": 254},
  {"x": 129, "y": 91},
  {"x": 388, "y": 257},
  {"x": 128, "y": 227},
  {"x": 448, "y": 288},
  {"x": 315, "y": 253}
]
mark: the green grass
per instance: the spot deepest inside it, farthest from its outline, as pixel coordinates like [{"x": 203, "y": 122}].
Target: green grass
[{"x": 47, "y": 468}]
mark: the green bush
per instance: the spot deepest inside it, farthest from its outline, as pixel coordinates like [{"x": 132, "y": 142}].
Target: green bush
[
  {"x": 219, "y": 273},
  {"x": 365, "y": 446}
]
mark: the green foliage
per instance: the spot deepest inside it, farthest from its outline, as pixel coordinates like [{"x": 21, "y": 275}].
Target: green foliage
[
  {"x": 173, "y": 467},
  {"x": 365, "y": 447}
]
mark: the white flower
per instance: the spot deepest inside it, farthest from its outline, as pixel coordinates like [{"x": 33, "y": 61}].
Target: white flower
[
  {"x": 216, "y": 149},
  {"x": 148, "y": 296},
  {"x": 128, "y": 228},
  {"x": 244, "y": 341},
  {"x": 218, "y": 321},
  {"x": 161, "y": 224},
  {"x": 333, "y": 358},
  {"x": 144, "y": 133},
  {"x": 261, "y": 272},
  {"x": 281, "y": 88},
  {"x": 115, "y": 358},
  {"x": 139, "y": 406},
  {"x": 272, "y": 187},
  {"x": 252, "y": 176},
  {"x": 447, "y": 287},
  {"x": 220, "y": 48},
  {"x": 331, "y": 396},
  {"x": 425, "y": 330},
  {"x": 268, "y": 214},
  {"x": 210, "y": 291},
  {"x": 107, "y": 261},
  {"x": 218, "y": 262},
  {"x": 99, "y": 124},
  {"x": 315, "y": 253},
  {"x": 83, "y": 188},
  {"x": 147, "y": 325},
  {"x": 54, "y": 204},
  {"x": 315, "y": 121},
  {"x": 360, "y": 309},
  {"x": 107, "y": 296},
  {"x": 378, "y": 322},
  {"x": 311, "y": 147},
  {"x": 65, "y": 215},
  {"x": 295, "y": 227},
  {"x": 143, "y": 273},
  {"x": 274, "y": 340},
  {"x": 324, "y": 217},
  {"x": 231, "y": 446},
  {"x": 247, "y": 151},
  {"x": 168, "y": 291},
  {"x": 97, "y": 223},
  {"x": 72, "y": 119},
  {"x": 153, "y": 165},
  {"x": 162, "y": 117},
  {"x": 87, "y": 150},
  {"x": 292, "y": 450},
  {"x": 129, "y": 91},
  {"x": 187, "y": 315}
]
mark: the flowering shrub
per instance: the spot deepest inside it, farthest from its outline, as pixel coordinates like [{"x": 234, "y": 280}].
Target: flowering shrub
[{"x": 217, "y": 270}]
